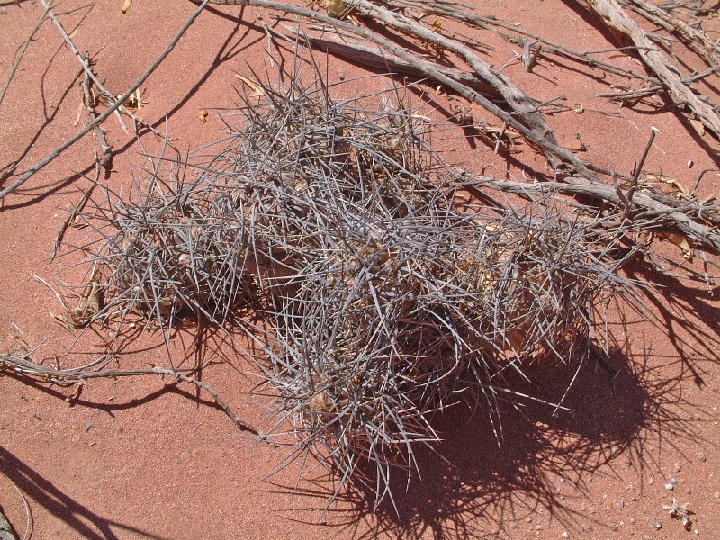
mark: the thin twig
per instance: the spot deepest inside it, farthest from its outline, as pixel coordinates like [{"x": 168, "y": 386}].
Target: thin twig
[
  {"x": 24, "y": 366},
  {"x": 116, "y": 105}
]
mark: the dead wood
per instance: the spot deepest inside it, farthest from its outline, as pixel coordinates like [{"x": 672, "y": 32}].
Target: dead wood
[
  {"x": 694, "y": 38},
  {"x": 519, "y": 36},
  {"x": 110, "y": 110},
  {"x": 23, "y": 366},
  {"x": 683, "y": 96},
  {"x": 365, "y": 55},
  {"x": 524, "y": 115},
  {"x": 698, "y": 222}
]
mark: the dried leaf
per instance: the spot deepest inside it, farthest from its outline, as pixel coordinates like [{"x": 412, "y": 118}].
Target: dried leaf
[
  {"x": 486, "y": 282},
  {"x": 126, "y": 5},
  {"x": 336, "y": 8},
  {"x": 666, "y": 184},
  {"x": 680, "y": 241},
  {"x": 202, "y": 115},
  {"x": 257, "y": 89},
  {"x": 698, "y": 126},
  {"x": 135, "y": 101}
]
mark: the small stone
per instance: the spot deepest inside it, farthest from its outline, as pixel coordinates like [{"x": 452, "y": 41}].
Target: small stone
[
  {"x": 529, "y": 519},
  {"x": 657, "y": 525},
  {"x": 565, "y": 534},
  {"x": 676, "y": 468},
  {"x": 716, "y": 494},
  {"x": 650, "y": 481},
  {"x": 89, "y": 425},
  {"x": 620, "y": 504},
  {"x": 702, "y": 458},
  {"x": 671, "y": 484}
]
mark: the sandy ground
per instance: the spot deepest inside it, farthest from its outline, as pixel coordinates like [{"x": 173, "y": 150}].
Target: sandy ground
[{"x": 139, "y": 459}]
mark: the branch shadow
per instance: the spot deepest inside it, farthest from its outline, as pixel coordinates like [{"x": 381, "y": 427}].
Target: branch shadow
[
  {"x": 682, "y": 305},
  {"x": 84, "y": 521}
]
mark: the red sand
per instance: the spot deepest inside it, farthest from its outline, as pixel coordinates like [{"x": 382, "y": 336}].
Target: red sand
[{"x": 136, "y": 459}]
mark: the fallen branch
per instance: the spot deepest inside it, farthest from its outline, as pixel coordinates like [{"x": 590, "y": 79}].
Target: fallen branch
[
  {"x": 524, "y": 116},
  {"x": 110, "y": 110},
  {"x": 23, "y": 366},
  {"x": 694, "y": 38},
  {"x": 491, "y": 24},
  {"x": 681, "y": 94},
  {"x": 635, "y": 95},
  {"x": 367, "y": 56},
  {"x": 645, "y": 205}
]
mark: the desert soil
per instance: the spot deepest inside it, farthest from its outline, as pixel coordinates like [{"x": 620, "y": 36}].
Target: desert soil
[{"x": 140, "y": 458}]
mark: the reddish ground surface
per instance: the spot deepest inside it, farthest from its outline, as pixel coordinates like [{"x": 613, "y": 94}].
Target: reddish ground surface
[{"x": 138, "y": 459}]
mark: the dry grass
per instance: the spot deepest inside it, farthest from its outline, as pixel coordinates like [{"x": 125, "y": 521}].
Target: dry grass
[{"x": 384, "y": 287}]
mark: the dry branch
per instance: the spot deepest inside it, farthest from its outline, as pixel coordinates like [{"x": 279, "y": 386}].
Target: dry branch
[
  {"x": 367, "y": 56},
  {"x": 110, "y": 110},
  {"x": 697, "y": 222},
  {"x": 681, "y": 94},
  {"x": 519, "y": 36},
  {"x": 24, "y": 366},
  {"x": 524, "y": 117},
  {"x": 694, "y": 38},
  {"x": 20, "y": 54}
]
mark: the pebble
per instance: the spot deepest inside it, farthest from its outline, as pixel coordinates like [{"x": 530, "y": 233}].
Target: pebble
[
  {"x": 676, "y": 467},
  {"x": 702, "y": 457},
  {"x": 657, "y": 525},
  {"x": 565, "y": 534},
  {"x": 620, "y": 503},
  {"x": 716, "y": 494},
  {"x": 671, "y": 484}
]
